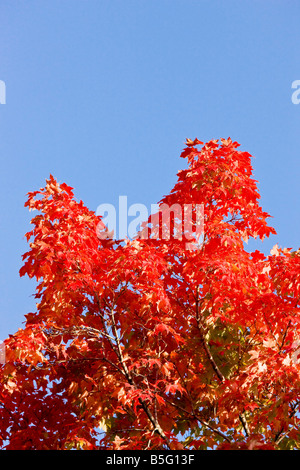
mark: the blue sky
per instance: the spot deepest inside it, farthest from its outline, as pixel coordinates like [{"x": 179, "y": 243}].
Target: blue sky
[{"x": 103, "y": 93}]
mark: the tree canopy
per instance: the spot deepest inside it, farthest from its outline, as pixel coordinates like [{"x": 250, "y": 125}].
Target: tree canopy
[{"x": 157, "y": 342}]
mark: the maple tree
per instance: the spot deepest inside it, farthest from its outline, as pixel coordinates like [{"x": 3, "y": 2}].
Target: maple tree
[{"x": 145, "y": 344}]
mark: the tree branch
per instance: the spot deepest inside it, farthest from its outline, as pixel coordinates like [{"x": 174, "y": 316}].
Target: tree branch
[
  {"x": 203, "y": 341},
  {"x": 200, "y": 419},
  {"x": 244, "y": 424},
  {"x": 117, "y": 349},
  {"x": 212, "y": 361}
]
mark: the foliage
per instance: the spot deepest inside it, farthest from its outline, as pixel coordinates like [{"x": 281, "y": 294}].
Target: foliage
[{"x": 148, "y": 344}]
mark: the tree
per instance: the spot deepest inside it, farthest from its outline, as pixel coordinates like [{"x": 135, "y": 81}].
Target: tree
[{"x": 153, "y": 343}]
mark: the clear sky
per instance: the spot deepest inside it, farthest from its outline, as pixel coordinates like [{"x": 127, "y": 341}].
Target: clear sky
[{"x": 103, "y": 93}]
